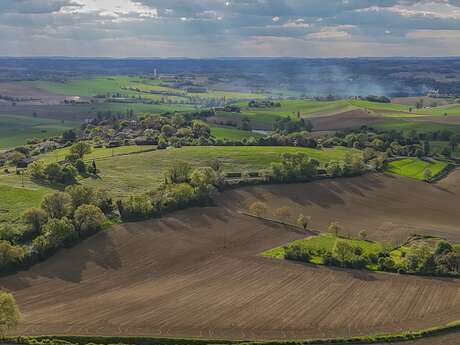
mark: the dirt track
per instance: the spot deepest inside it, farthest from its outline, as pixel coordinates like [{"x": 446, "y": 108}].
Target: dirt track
[{"x": 197, "y": 273}]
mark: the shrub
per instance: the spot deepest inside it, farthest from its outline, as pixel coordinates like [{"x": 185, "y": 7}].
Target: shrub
[
  {"x": 297, "y": 253},
  {"x": 10, "y": 254},
  {"x": 282, "y": 214},
  {"x": 303, "y": 221},
  {"x": 258, "y": 208},
  {"x": 88, "y": 218},
  {"x": 137, "y": 207}
]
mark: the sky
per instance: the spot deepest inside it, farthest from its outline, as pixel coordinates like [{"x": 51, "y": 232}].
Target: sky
[{"x": 229, "y": 28}]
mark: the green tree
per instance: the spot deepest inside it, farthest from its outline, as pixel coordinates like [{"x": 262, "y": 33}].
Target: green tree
[
  {"x": 57, "y": 205},
  {"x": 59, "y": 231},
  {"x": 10, "y": 253},
  {"x": 81, "y": 195},
  {"x": 89, "y": 218},
  {"x": 427, "y": 174},
  {"x": 9, "y": 313},
  {"x": 37, "y": 169},
  {"x": 80, "y": 149},
  {"x": 53, "y": 172},
  {"x": 344, "y": 252}
]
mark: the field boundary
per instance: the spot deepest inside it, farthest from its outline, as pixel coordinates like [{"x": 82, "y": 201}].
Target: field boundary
[
  {"x": 363, "y": 340},
  {"x": 294, "y": 227}
]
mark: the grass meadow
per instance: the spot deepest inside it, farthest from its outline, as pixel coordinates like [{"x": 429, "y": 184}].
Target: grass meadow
[
  {"x": 15, "y": 130},
  {"x": 414, "y": 167}
]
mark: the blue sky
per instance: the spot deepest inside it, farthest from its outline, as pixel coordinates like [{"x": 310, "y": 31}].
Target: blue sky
[{"x": 230, "y": 28}]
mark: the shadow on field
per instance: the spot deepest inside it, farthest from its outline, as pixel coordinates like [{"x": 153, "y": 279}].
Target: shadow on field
[{"x": 69, "y": 264}]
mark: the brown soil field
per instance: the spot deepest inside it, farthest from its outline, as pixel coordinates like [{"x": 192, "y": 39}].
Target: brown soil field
[
  {"x": 198, "y": 273},
  {"x": 39, "y": 96},
  {"x": 58, "y": 111},
  {"x": 427, "y": 100},
  {"x": 349, "y": 119}
]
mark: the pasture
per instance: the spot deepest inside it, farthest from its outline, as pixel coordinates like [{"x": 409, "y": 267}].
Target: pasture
[
  {"x": 198, "y": 272},
  {"x": 415, "y": 167},
  {"x": 231, "y": 133},
  {"x": 15, "y": 130},
  {"x": 136, "y": 169}
]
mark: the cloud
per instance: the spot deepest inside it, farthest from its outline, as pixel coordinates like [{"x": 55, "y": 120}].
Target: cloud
[{"x": 206, "y": 28}]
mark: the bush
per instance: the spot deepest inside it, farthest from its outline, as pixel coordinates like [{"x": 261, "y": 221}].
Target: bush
[
  {"x": 10, "y": 254},
  {"x": 136, "y": 207},
  {"x": 297, "y": 253},
  {"x": 88, "y": 219},
  {"x": 258, "y": 208}
]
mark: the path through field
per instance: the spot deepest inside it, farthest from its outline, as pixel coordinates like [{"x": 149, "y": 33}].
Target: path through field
[{"x": 197, "y": 272}]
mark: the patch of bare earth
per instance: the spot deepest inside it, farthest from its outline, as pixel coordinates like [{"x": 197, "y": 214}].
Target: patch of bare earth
[
  {"x": 198, "y": 273},
  {"x": 349, "y": 119}
]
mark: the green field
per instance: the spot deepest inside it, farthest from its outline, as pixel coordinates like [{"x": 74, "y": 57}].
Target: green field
[
  {"x": 141, "y": 172},
  {"x": 135, "y": 87},
  {"x": 15, "y": 130},
  {"x": 231, "y": 133},
  {"x": 15, "y": 199},
  {"x": 99, "y": 153},
  {"x": 420, "y": 127},
  {"x": 414, "y": 167},
  {"x": 144, "y": 171},
  {"x": 326, "y": 243}
]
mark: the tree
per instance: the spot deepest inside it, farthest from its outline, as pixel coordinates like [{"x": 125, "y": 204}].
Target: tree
[
  {"x": 37, "y": 169},
  {"x": 304, "y": 221},
  {"x": 344, "y": 252},
  {"x": 81, "y": 195},
  {"x": 69, "y": 135},
  {"x": 443, "y": 247},
  {"x": 9, "y": 313},
  {"x": 427, "y": 174},
  {"x": 59, "y": 231},
  {"x": 81, "y": 167},
  {"x": 53, "y": 172},
  {"x": 426, "y": 147},
  {"x": 282, "y": 213},
  {"x": 258, "y": 208},
  {"x": 89, "y": 218},
  {"x": 333, "y": 169},
  {"x": 36, "y": 217},
  {"x": 57, "y": 205},
  {"x": 69, "y": 174},
  {"x": 363, "y": 234},
  {"x": 334, "y": 228},
  {"x": 10, "y": 254},
  {"x": 80, "y": 149}
]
